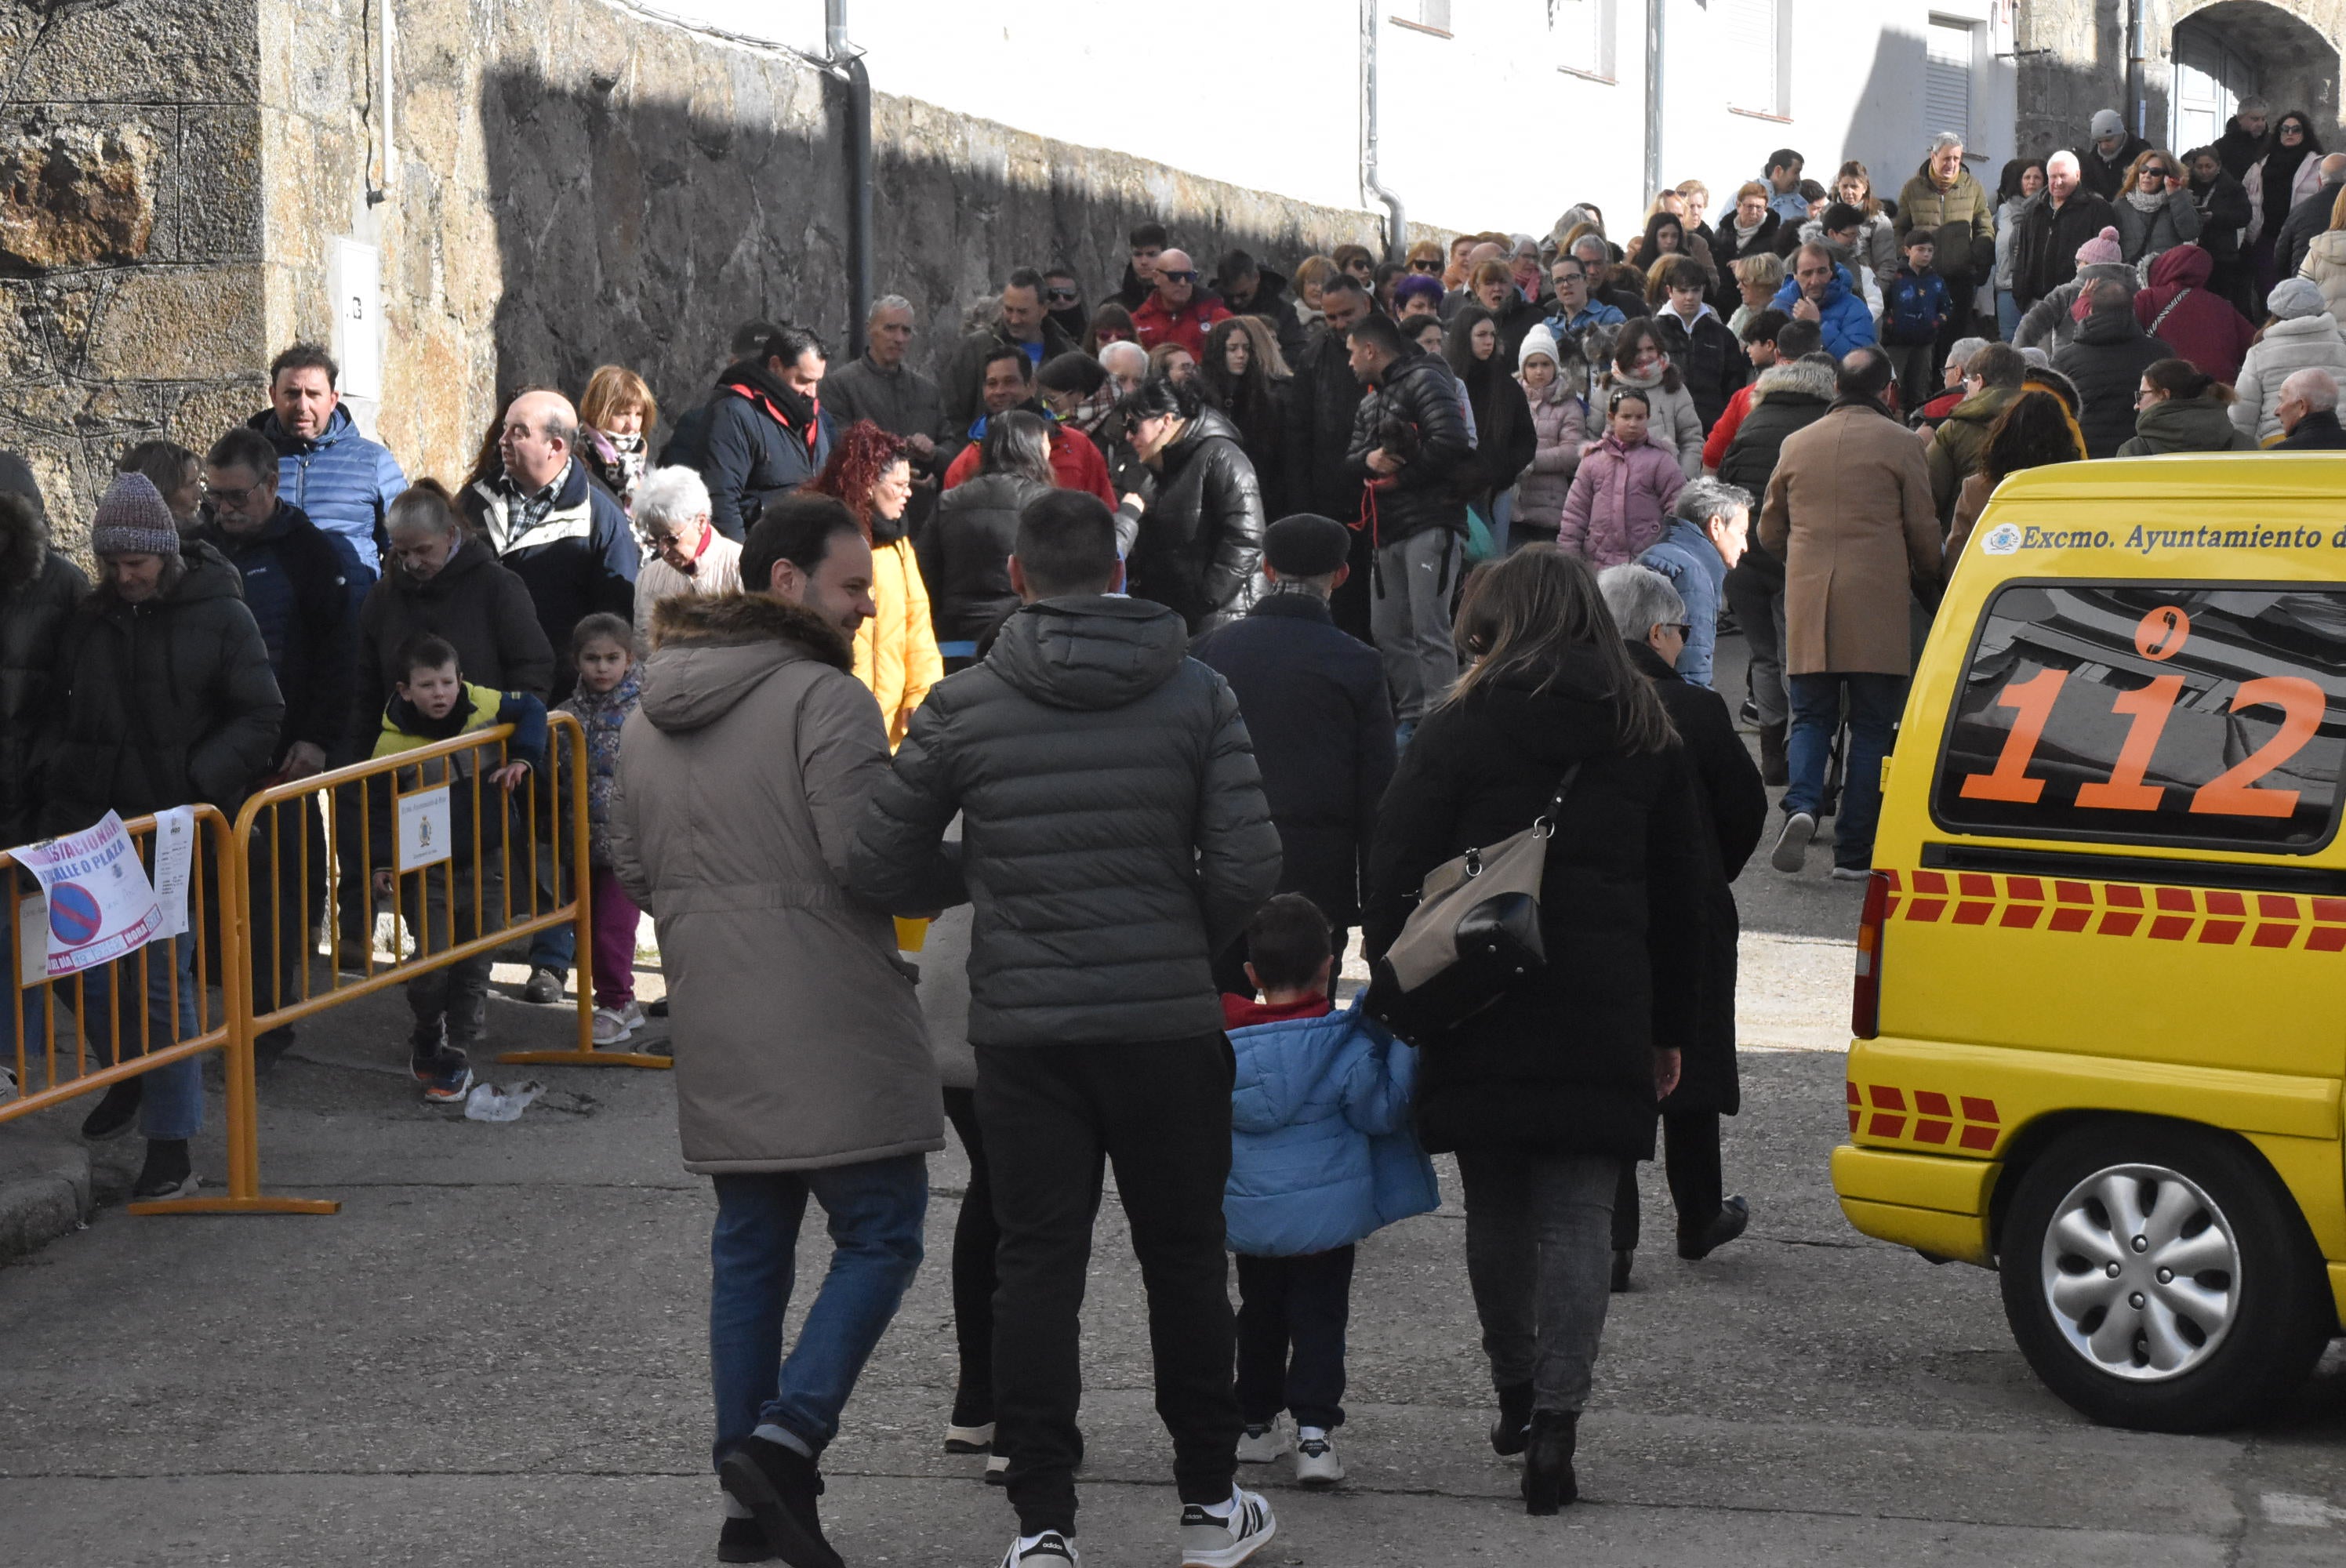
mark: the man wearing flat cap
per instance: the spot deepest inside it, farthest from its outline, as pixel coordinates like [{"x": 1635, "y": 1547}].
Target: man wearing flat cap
[{"x": 1314, "y": 700}]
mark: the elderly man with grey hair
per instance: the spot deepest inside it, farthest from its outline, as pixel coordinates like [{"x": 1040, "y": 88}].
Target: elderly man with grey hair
[
  {"x": 1127, "y": 361},
  {"x": 2045, "y": 251},
  {"x": 688, "y": 556},
  {"x": 881, "y": 387},
  {"x": 2309, "y": 413},
  {"x": 1735, "y": 811},
  {"x": 1710, "y": 529}
]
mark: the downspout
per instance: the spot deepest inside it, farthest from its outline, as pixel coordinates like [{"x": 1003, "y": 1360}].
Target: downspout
[
  {"x": 2137, "y": 100},
  {"x": 848, "y": 67},
  {"x": 1653, "y": 99},
  {"x": 1396, "y": 221}
]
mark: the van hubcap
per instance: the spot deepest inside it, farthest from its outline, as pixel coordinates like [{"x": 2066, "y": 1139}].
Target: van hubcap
[{"x": 2142, "y": 1272}]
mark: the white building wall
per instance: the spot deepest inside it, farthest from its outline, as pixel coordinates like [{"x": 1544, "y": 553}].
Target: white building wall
[{"x": 1494, "y": 123}]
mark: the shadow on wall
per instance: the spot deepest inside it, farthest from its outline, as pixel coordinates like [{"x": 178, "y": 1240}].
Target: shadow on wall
[{"x": 640, "y": 232}]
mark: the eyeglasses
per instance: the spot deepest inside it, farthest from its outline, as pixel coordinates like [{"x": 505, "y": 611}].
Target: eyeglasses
[
  {"x": 1061, "y": 296},
  {"x": 222, "y": 496},
  {"x": 664, "y": 541},
  {"x": 1172, "y": 277}
]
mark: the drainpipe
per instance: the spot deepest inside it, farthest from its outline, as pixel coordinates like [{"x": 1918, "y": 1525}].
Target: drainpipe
[
  {"x": 2137, "y": 99},
  {"x": 1653, "y": 99},
  {"x": 1396, "y": 221},
  {"x": 847, "y": 65}
]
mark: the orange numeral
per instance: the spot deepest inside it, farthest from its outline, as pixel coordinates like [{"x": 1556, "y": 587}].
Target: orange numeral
[
  {"x": 2125, "y": 792},
  {"x": 2231, "y": 793},
  {"x": 2032, "y": 700}
]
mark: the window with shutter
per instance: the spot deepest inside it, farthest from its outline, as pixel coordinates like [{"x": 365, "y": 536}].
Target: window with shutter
[
  {"x": 1582, "y": 31},
  {"x": 1748, "y": 32},
  {"x": 1947, "y": 79}
]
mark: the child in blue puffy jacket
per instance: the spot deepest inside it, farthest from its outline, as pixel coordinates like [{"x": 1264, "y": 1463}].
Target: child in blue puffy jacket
[{"x": 1322, "y": 1155}]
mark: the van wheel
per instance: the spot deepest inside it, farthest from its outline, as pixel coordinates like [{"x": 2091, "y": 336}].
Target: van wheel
[{"x": 2157, "y": 1277}]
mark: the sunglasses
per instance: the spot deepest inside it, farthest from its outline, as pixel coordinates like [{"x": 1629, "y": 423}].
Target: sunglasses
[
  {"x": 1061, "y": 296},
  {"x": 1684, "y": 628},
  {"x": 1425, "y": 266},
  {"x": 1177, "y": 277}
]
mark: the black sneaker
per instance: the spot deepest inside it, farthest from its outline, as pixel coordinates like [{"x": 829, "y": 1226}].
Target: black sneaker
[
  {"x": 115, "y": 1110},
  {"x": 657, "y": 1009},
  {"x": 269, "y": 1047},
  {"x": 544, "y": 986},
  {"x": 1725, "y": 1227},
  {"x": 779, "y": 1485},
  {"x": 1622, "y": 1257},
  {"x": 166, "y": 1172},
  {"x": 741, "y": 1541}
]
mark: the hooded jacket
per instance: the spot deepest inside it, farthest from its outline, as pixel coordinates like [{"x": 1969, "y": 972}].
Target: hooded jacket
[
  {"x": 292, "y": 579},
  {"x": 965, "y": 555},
  {"x": 755, "y": 439},
  {"x": 1560, "y": 422},
  {"x": 1789, "y": 395},
  {"x": 1416, "y": 391},
  {"x": 1199, "y": 547},
  {"x": 1320, "y": 1150},
  {"x": 1672, "y": 421},
  {"x": 1961, "y": 218},
  {"x": 1564, "y": 1063},
  {"x": 1619, "y": 503},
  {"x": 799, "y": 1041},
  {"x": 1114, "y": 831},
  {"x": 2325, "y": 263},
  {"x": 2283, "y": 349},
  {"x": 160, "y": 704},
  {"x": 2198, "y": 323},
  {"x": 2105, "y": 360},
  {"x": 482, "y": 609},
  {"x": 1956, "y": 444},
  {"x": 2185, "y": 425},
  {"x": 579, "y": 559},
  {"x": 39, "y": 590},
  {"x": 1842, "y": 315},
  {"x": 343, "y": 482}
]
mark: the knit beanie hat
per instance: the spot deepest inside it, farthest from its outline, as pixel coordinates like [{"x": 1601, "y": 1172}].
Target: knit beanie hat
[
  {"x": 2107, "y": 122},
  {"x": 133, "y": 521},
  {"x": 2101, "y": 249},
  {"x": 1538, "y": 340},
  {"x": 2295, "y": 297}
]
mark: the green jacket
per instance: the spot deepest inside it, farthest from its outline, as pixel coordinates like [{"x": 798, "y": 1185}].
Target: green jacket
[
  {"x": 2185, "y": 425},
  {"x": 1961, "y": 438},
  {"x": 1964, "y": 216}
]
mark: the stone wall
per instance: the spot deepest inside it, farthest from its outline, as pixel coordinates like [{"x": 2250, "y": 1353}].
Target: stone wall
[
  {"x": 573, "y": 184},
  {"x": 130, "y": 225}
]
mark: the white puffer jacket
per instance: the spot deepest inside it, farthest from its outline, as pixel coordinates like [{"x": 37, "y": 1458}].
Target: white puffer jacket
[
  {"x": 2284, "y": 349},
  {"x": 2325, "y": 263}
]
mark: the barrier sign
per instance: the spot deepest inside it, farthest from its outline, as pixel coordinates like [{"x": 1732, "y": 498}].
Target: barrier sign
[
  {"x": 100, "y": 905},
  {"x": 423, "y": 828}
]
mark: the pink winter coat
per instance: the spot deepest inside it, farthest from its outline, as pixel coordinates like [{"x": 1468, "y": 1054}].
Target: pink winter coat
[
  {"x": 1561, "y": 421},
  {"x": 1620, "y": 501}
]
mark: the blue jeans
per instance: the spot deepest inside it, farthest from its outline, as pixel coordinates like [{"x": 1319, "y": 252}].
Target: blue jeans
[
  {"x": 1875, "y": 704},
  {"x": 171, "y": 1103},
  {"x": 874, "y": 1212},
  {"x": 2007, "y": 315}
]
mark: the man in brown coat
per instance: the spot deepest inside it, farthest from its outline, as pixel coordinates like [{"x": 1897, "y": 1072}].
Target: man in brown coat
[
  {"x": 802, "y": 1066},
  {"x": 1849, "y": 511}
]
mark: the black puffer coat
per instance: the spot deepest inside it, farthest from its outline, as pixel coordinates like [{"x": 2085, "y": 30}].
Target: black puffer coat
[
  {"x": 965, "y": 553},
  {"x": 1565, "y": 1065},
  {"x": 1199, "y": 548},
  {"x": 1417, "y": 391},
  {"x": 161, "y": 704},
  {"x": 1114, "y": 832},
  {"x": 1788, "y": 398},
  {"x": 483, "y": 610},
  {"x": 1320, "y": 403},
  {"x": 1732, "y": 805},
  {"x": 38, "y": 591},
  {"x": 2105, "y": 360},
  {"x": 2045, "y": 251}
]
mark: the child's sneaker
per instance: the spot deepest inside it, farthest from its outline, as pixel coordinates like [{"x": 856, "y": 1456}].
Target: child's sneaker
[
  {"x": 632, "y": 1015},
  {"x": 1226, "y": 1536},
  {"x": 1316, "y": 1463},
  {"x": 446, "y": 1077},
  {"x": 612, "y": 1028},
  {"x": 1262, "y": 1442}
]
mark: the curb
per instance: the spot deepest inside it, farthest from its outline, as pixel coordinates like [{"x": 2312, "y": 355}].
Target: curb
[{"x": 45, "y": 1190}]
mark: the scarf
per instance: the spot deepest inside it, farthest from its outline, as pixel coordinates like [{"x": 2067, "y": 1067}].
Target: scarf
[
  {"x": 1743, "y": 234},
  {"x": 2140, "y": 202}
]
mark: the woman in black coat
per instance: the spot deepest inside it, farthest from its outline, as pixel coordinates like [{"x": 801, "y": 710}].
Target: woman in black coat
[
  {"x": 1749, "y": 228},
  {"x": 1199, "y": 548},
  {"x": 965, "y": 552},
  {"x": 1733, "y": 807},
  {"x": 1547, "y": 1094},
  {"x": 1506, "y": 439}
]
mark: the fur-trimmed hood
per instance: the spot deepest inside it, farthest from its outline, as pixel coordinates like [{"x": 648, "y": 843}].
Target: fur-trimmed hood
[
  {"x": 707, "y": 654},
  {"x": 1794, "y": 376},
  {"x": 23, "y": 544}
]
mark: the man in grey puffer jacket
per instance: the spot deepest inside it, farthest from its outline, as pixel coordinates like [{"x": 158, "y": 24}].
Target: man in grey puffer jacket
[{"x": 1114, "y": 838}]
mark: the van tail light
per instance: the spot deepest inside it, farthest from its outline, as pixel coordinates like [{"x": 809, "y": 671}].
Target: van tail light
[{"x": 1865, "y": 997}]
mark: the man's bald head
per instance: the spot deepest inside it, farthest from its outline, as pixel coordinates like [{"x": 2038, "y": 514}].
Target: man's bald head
[
  {"x": 2333, "y": 169},
  {"x": 1176, "y": 278},
  {"x": 541, "y": 427},
  {"x": 1486, "y": 251}
]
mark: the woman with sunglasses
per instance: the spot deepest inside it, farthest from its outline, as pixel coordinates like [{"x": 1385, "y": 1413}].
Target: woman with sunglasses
[
  {"x": 2277, "y": 182},
  {"x": 2156, "y": 212}
]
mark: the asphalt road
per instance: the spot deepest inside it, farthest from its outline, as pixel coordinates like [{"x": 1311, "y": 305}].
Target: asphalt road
[{"x": 494, "y": 1355}]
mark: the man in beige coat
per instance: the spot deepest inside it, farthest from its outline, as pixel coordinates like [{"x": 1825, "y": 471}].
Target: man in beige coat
[
  {"x": 802, "y": 1066},
  {"x": 1849, "y": 511}
]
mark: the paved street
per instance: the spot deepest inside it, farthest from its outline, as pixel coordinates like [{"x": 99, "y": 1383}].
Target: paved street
[{"x": 494, "y": 1355}]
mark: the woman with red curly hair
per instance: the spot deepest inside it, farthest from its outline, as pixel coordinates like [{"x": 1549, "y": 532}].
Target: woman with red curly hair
[{"x": 896, "y": 651}]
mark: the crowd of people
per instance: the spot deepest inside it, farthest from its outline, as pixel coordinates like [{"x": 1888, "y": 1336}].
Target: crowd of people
[{"x": 1219, "y": 614}]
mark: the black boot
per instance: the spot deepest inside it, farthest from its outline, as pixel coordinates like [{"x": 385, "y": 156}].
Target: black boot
[
  {"x": 1549, "y": 1480},
  {"x": 1512, "y": 1431},
  {"x": 779, "y": 1485},
  {"x": 742, "y": 1541},
  {"x": 1773, "y": 768}
]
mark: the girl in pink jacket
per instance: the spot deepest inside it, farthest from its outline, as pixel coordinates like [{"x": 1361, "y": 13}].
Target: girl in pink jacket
[{"x": 1620, "y": 500}]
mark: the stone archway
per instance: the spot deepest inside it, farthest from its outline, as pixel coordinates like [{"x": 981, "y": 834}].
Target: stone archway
[{"x": 2215, "y": 49}]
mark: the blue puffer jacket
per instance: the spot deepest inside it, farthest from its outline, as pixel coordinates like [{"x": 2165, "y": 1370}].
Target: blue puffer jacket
[
  {"x": 1843, "y": 318},
  {"x": 341, "y": 481},
  {"x": 1692, "y": 562},
  {"x": 1322, "y": 1152}
]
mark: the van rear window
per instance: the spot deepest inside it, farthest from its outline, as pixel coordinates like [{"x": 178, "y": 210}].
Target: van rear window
[{"x": 2151, "y": 714}]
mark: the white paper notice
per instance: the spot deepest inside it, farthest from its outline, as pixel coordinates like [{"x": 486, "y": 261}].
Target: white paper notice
[
  {"x": 101, "y": 905},
  {"x": 174, "y": 858},
  {"x": 424, "y": 835},
  {"x": 32, "y": 939}
]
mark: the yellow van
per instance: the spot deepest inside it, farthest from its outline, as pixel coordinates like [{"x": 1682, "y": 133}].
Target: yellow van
[{"x": 2100, "y": 1012}]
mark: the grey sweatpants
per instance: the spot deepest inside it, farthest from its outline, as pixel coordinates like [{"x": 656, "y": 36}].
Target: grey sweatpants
[
  {"x": 1409, "y": 616},
  {"x": 1539, "y": 1256}
]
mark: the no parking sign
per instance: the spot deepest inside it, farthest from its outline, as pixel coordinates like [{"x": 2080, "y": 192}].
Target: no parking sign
[{"x": 100, "y": 905}]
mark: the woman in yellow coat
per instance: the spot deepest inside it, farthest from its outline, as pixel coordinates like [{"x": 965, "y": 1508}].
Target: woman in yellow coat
[{"x": 896, "y": 652}]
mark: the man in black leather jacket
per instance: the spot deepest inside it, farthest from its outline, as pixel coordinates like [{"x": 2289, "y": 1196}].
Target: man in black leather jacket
[{"x": 1409, "y": 440}]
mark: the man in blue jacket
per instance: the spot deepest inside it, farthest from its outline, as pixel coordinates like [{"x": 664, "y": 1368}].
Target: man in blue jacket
[
  {"x": 339, "y": 479},
  {"x": 1709, "y": 530},
  {"x": 1821, "y": 290}
]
